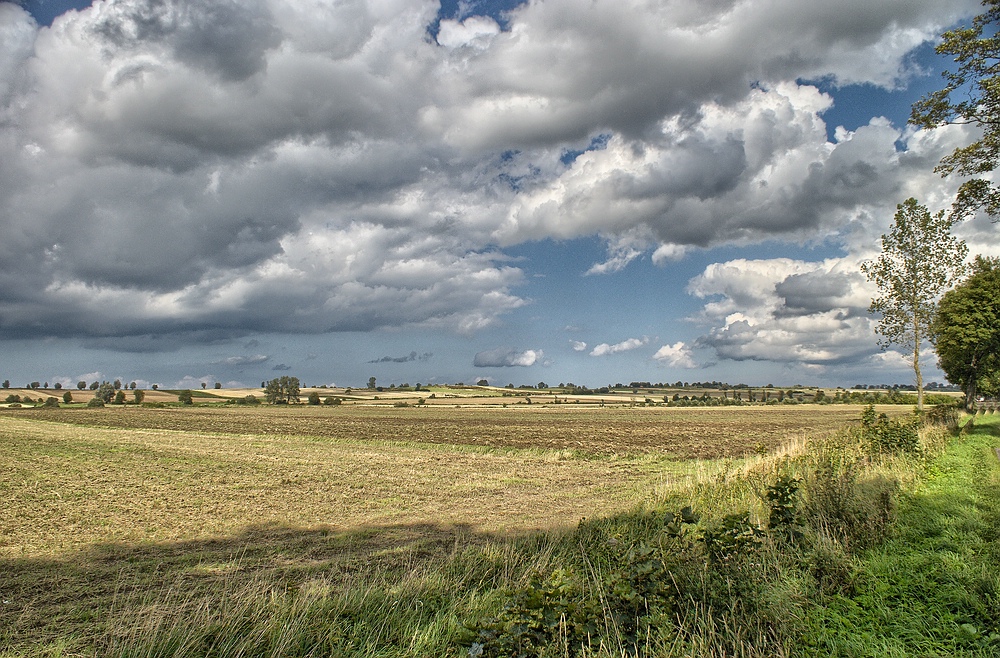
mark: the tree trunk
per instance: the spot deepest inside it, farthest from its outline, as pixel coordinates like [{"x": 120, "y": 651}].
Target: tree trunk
[
  {"x": 970, "y": 395},
  {"x": 916, "y": 364},
  {"x": 970, "y": 384}
]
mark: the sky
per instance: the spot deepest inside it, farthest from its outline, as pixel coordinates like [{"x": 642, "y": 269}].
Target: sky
[{"x": 547, "y": 191}]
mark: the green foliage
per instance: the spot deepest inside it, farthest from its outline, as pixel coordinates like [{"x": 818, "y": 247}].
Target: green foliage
[
  {"x": 119, "y": 397},
  {"x": 13, "y": 397},
  {"x": 95, "y": 402},
  {"x": 884, "y": 436},
  {"x": 105, "y": 391},
  {"x": 839, "y": 502},
  {"x": 249, "y": 399},
  {"x": 920, "y": 260},
  {"x": 67, "y": 397},
  {"x": 966, "y": 331},
  {"x": 185, "y": 397},
  {"x": 575, "y": 608},
  {"x": 282, "y": 390},
  {"x": 331, "y": 401},
  {"x": 51, "y": 403},
  {"x": 313, "y": 398},
  {"x": 971, "y": 95},
  {"x": 138, "y": 395},
  {"x": 733, "y": 536},
  {"x": 782, "y": 500}
]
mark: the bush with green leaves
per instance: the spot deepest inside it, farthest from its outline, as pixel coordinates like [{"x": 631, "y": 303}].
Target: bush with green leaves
[
  {"x": 731, "y": 537},
  {"x": 783, "y": 506},
  {"x": 185, "y": 397},
  {"x": 95, "y": 402},
  {"x": 884, "y": 436}
]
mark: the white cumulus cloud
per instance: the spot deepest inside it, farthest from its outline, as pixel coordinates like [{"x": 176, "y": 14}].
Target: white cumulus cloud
[
  {"x": 677, "y": 355},
  {"x": 630, "y": 344}
]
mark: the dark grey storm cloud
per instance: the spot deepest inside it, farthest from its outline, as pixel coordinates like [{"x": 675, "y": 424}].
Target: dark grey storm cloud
[
  {"x": 412, "y": 356},
  {"x": 225, "y": 38},
  {"x": 820, "y": 292}
]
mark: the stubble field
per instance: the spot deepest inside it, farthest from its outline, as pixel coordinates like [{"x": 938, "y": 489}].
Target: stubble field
[{"x": 106, "y": 508}]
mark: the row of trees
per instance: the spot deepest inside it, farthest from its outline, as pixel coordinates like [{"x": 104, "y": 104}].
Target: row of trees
[{"x": 925, "y": 289}]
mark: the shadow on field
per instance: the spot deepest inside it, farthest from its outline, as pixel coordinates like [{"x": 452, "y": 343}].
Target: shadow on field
[{"x": 86, "y": 592}]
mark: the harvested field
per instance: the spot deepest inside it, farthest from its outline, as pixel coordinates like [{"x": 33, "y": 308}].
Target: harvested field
[{"x": 683, "y": 433}]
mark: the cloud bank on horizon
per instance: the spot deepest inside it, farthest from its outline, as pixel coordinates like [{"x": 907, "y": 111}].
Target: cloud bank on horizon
[{"x": 211, "y": 169}]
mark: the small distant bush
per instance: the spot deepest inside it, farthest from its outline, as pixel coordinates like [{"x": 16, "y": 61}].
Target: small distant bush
[
  {"x": 50, "y": 403},
  {"x": 13, "y": 398},
  {"x": 330, "y": 400},
  {"x": 250, "y": 399},
  {"x": 95, "y": 402},
  {"x": 68, "y": 397},
  {"x": 120, "y": 397},
  {"x": 185, "y": 397},
  {"x": 313, "y": 398}
]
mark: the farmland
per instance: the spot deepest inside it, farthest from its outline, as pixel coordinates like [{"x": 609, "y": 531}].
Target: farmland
[{"x": 114, "y": 512}]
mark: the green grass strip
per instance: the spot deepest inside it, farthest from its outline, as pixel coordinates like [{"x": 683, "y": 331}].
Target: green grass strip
[{"x": 933, "y": 588}]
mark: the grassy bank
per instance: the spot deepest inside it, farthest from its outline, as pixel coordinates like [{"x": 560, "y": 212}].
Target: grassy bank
[
  {"x": 853, "y": 544},
  {"x": 933, "y": 588}
]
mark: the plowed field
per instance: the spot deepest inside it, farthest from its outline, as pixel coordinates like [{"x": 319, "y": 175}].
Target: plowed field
[{"x": 683, "y": 433}]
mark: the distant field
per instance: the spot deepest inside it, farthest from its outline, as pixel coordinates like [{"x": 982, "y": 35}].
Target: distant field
[
  {"x": 107, "y": 504},
  {"x": 684, "y": 433}
]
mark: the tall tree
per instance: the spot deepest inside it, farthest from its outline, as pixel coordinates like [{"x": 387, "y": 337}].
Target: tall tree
[
  {"x": 971, "y": 95},
  {"x": 966, "y": 331},
  {"x": 920, "y": 259},
  {"x": 282, "y": 390}
]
